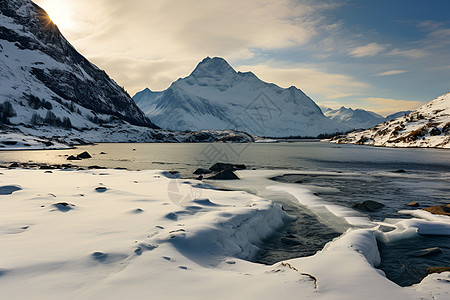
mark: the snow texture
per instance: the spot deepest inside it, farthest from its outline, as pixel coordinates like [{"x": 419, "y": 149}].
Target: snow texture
[{"x": 149, "y": 236}]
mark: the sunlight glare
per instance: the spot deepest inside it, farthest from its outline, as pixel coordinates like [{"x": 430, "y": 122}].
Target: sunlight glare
[{"x": 59, "y": 12}]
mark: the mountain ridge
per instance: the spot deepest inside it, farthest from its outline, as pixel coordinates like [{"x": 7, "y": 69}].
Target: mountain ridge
[
  {"x": 35, "y": 51},
  {"x": 355, "y": 118},
  {"x": 427, "y": 126},
  {"x": 215, "y": 96}
]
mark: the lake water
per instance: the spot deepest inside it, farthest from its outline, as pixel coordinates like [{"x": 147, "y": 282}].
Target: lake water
[{"x": 340, "y": 174}]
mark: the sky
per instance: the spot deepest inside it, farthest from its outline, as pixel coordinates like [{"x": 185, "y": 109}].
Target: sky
[{"x": 384, "y": 55}]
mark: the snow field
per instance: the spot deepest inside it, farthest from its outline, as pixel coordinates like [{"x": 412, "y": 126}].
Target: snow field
[{"x": 112, "y": 234}]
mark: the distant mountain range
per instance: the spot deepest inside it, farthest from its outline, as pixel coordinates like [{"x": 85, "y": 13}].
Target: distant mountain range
[
  {"x": 48, "y": 89},
  {"x": 427, "y": 126},
  {"x": 215, "y": 96},
  {"x": 359, "y": 118}
]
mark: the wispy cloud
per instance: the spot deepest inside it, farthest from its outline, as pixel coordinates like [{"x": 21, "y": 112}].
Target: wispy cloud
[
  {"x": 181, "y": 31},
  {"x": 369, "y": 50},
  {"x": 385, "y": 106},
  {"x": 391, "y": 72},
  {"x": 317, "y": 83},
  {"x": 411, "y": 53}
]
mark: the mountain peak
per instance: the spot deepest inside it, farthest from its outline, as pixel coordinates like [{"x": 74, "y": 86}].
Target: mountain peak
[{"x": 212, "y": 66}]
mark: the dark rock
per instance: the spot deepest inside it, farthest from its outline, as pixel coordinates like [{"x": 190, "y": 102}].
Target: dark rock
[
  {"x": 9, "y": 143},
  {"x": 225, "y": 174},
  {"x": 14, "y": 165},
  {"x": 239, "y": 167},
  {"x": 73, "y": 158},
  {"x": 96, "y": 168},
  {"x": 174, "y": 172},
  {"x": 201, "y": 171},
  {"x": 218, "y": 167},
  {"x": 435, "y": 131},
  {"x": 298, "y": 181},
  {"x": 446, "y": 129},
  {"x": 199, "y": 177},
  {"x": 437, "y": 270},
  {"x": 439, "y": 210},
  {"x": 425, "y": 252},
  {"x": 48, "y": 172},
  {"x": 414, "y": 204},
  {"x": 44, "y": 167},
  {"x": 226, "y": 166},
  {"x": 84, "y": 155},
  {"x": 102, "y": 153},
  {"x": 369, "y": 206},
  {"x": 399, "y": 171}
]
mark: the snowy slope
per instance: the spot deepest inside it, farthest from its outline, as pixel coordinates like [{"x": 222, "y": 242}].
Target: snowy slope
[
  {"x": 146, "y": 99},
  {"x": 42, "y": 76},
  {"x": 355, "y": 119},
  {"x": 215, "y": 96},
  {"x": 398, "y": 115},
  {"x": 427, "y": 126},
  {"x": 15, "y": 140}
]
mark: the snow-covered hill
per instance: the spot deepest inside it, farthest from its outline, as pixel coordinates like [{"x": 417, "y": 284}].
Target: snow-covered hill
[
  {"x": 215, "y": 96},
  {"x": 355, "y": 119},
  {"x": 427, "y": 126},
  {"x": 50, "y": 91}
]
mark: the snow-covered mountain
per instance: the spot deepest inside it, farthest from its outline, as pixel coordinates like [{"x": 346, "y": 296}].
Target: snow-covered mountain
[
  {"x": 49, "y": 90},
  {"x": 398, "y": 115},
  {"x": 215, "y": 96},
  {"x": 146, "y": 99},
  {"x": 46, "y": 81},
  {"x": 354, "y": 118},
  {"x": 427, "y": 126}
]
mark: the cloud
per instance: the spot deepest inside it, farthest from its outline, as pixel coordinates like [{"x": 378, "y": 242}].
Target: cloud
[
  {"x": 429, "y": 25},
  {"x": 317, "y": 83},
  {"x": 442, "y": 35},
  {"x": 391, "y": 72},
  {"x": 411, "y": 53},
  {"x": 385, "y": 106},
  {"x": 141, "y": 73},
  {"x": 369, "y": 50},
  {"x": 180, "y": 28},
  {"x": 180, "y": 31}
]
